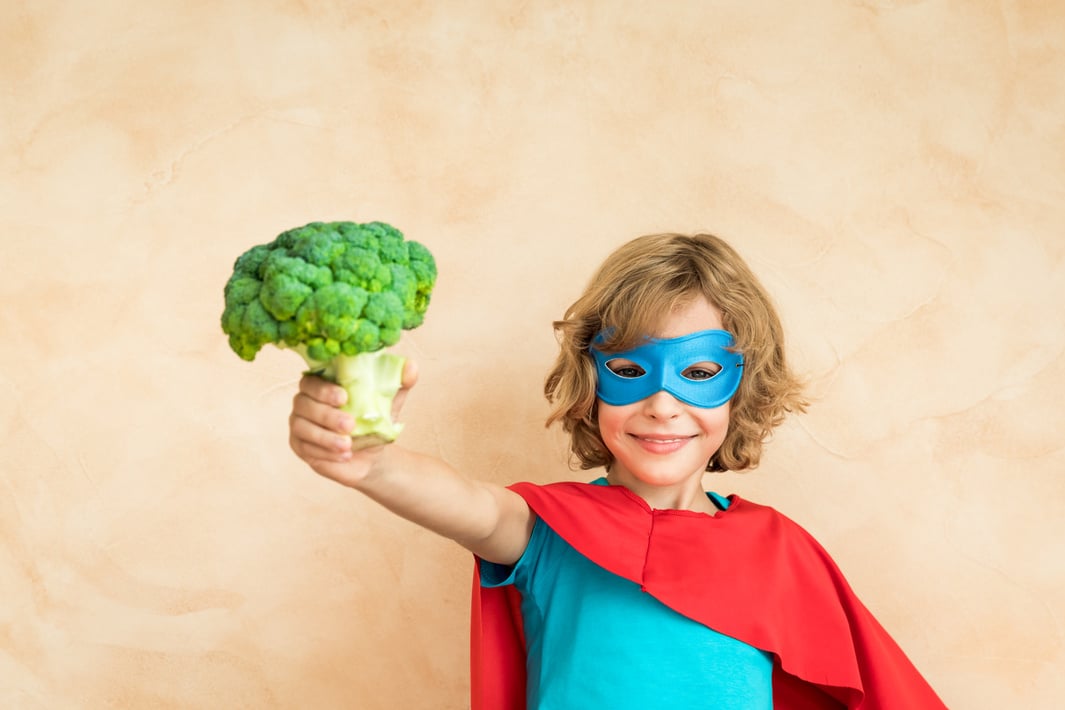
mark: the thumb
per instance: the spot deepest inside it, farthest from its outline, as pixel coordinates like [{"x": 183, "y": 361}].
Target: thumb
[
  {"x": 407, "y": 381},
  {"x": 410, "y": 375}
]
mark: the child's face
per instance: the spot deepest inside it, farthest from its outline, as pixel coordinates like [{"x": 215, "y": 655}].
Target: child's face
[{"x": 660, "y": 440}]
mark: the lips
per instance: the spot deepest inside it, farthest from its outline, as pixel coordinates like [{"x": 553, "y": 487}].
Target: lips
[{"x": 660, "y": 443}]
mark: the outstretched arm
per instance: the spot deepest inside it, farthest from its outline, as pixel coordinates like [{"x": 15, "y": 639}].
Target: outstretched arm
[{"x": 487, "y": 519}]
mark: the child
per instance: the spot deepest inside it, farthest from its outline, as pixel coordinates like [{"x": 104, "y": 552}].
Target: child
[{"x": 639, "y": 589}]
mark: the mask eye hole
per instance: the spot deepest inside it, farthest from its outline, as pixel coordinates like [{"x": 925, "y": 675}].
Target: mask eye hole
[
  {"x": 625, "y": 368},
  {"x": 701, "y": 371}
]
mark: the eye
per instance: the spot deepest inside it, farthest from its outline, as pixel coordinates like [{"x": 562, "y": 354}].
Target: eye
[
  {"x": 625, "y": 368},
  {"x": 701, "y": 371}
]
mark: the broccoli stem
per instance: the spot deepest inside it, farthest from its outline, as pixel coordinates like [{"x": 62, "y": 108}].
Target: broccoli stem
[{"x": 372, "y": 381}]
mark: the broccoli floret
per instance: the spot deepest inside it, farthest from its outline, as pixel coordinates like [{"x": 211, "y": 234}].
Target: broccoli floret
[{"x": 337, "y": 293}]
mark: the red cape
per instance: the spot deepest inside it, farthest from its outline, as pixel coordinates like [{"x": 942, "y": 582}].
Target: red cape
[{"x": 760, "y": 578}]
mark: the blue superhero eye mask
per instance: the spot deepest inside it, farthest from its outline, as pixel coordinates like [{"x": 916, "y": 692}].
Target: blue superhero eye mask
[{"x": 661, "y": 365}]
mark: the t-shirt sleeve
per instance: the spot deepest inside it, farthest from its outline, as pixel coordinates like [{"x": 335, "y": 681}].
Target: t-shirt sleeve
[{"x": 497, "y": 575}]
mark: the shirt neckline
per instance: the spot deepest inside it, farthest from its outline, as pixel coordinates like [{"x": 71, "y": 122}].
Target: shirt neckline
[{"x": 722, "y": 503}]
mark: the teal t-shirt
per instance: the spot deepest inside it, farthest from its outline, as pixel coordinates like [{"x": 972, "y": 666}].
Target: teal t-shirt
[{"x": 596, "y": 640}]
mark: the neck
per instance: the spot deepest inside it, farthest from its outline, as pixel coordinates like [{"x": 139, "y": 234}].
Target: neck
[{"x": 684, "y": 495}]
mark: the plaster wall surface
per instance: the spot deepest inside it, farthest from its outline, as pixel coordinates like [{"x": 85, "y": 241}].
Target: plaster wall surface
[{"x": 893, "y": 170}]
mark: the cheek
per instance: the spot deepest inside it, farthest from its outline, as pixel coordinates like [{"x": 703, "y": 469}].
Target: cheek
[
  {"x": 610, "y": 420},
  {"x": 716, "y": 420}
]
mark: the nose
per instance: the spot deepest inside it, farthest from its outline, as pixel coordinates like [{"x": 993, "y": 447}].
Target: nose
[{"x": 662, "y": 405}]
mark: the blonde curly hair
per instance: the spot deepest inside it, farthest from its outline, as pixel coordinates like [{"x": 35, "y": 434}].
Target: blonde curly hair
[{"x": 627, "y": 298}]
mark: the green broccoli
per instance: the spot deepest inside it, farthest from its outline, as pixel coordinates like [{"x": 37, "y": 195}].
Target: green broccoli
[{"x": 337, "y": 293}]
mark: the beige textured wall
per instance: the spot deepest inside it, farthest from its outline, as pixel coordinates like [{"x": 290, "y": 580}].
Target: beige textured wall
[{"x": 895, "y": 170}]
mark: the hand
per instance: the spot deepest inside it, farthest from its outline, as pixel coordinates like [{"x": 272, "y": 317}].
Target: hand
[{"x": 320, "y": 432}]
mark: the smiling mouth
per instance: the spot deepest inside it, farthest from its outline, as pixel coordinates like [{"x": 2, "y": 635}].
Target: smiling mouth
[{"x": 661, "y": 444}]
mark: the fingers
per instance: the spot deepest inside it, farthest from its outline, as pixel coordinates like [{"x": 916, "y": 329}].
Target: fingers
[
  {"x": 310, "y": 440},
  {"x": 326, "y": 392},
  {"x": 323, "y": 391},
  {"x": 318, "y": 431},
  {"x": 319, "y": 405}
]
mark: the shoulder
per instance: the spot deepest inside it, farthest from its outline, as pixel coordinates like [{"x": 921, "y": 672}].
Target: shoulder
[
  {"x": 780, "y": 537},
  {"x": 764, "y": 514},
  {"x": 572, "y": 493}
]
